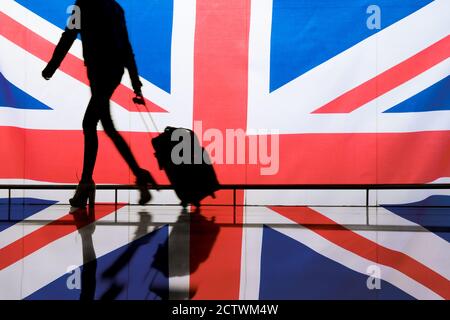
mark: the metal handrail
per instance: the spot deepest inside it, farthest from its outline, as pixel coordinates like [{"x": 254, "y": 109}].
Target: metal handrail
[{"x": 235, "y": 187}]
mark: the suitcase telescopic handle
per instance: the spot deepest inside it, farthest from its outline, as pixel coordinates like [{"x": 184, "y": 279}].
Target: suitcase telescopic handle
[{"x": 139, "y": 101}]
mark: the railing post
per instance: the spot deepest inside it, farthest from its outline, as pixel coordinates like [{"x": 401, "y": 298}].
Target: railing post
[
  {"x": 115, "y": 204},
  {"x": 9, "y": 204},
  {"x": 367, "y": 206},
  {"x": 234, "y": 205}
]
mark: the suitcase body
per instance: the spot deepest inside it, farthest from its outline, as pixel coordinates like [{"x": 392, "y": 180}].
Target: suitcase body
[{"x": 194, "y": 178}]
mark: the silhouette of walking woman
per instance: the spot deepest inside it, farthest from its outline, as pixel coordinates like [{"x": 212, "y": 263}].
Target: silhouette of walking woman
[{"x": 107, "y": 51}]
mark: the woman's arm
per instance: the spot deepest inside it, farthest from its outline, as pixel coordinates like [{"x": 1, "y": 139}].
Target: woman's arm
[
  {"x": 130, "y": 61},
  {"x": 63, "y": 46}
]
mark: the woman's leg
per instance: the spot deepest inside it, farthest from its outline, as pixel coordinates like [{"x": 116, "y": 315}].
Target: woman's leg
[
  {"x": 143, "y": 177},
  {"x": 99, "y": 109},
  {"x": 119, "y": 141},
  {"x": 86, "y": 188},
  {"x": 90, "y": 121}
]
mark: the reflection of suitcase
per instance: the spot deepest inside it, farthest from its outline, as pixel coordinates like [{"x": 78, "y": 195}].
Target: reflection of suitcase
[
  {"x": 193, "y": 230},
  {"x": 194, "y": 179}
]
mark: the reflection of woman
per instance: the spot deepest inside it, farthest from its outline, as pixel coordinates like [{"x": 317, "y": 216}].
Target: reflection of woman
[
  {"x": 85, "y": 223},
  {"x": 107, "y": 51}
]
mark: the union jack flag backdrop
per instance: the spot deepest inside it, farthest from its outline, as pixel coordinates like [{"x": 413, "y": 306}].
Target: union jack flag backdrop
[{"x": 350, "y": 104}]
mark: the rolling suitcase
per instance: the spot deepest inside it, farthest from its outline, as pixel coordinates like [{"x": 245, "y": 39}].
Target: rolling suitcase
[{"x": 193, "y": 179}]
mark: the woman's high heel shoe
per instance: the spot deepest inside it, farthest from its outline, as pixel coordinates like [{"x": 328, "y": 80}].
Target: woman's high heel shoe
[
  {"x": 85, "y": 191},
  {"x": 143, "y": 180}
]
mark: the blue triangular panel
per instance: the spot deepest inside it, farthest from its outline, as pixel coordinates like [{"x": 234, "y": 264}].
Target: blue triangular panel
[
  {"x": 434, "y": 98},
  {"x": 13, "y": 97},
  {"x": 306, "y": 33},
  {"x": 290, "y": 271},
  {"x": 19, "y": 209},
  {"x": 431, "y": 212}
]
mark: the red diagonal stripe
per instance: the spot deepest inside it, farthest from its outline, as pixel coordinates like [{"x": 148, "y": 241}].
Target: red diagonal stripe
[
  {"x": 368, "y": 249},
  {"x": 45, "y": 235},
  {"x": 389, "y": 79},
  {"x": 73, "y": 66}
]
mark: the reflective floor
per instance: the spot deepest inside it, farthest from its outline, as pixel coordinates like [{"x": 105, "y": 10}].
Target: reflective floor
[{"x": 52, "y": 251}]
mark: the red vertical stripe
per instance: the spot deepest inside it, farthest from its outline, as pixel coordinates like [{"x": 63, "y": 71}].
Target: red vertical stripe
[{"x": 220, "y": 102}]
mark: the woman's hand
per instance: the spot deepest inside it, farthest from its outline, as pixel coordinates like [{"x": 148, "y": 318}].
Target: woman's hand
[
  {"x": 48, "y": 72},
  {"x": 139, "y": 98}
]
